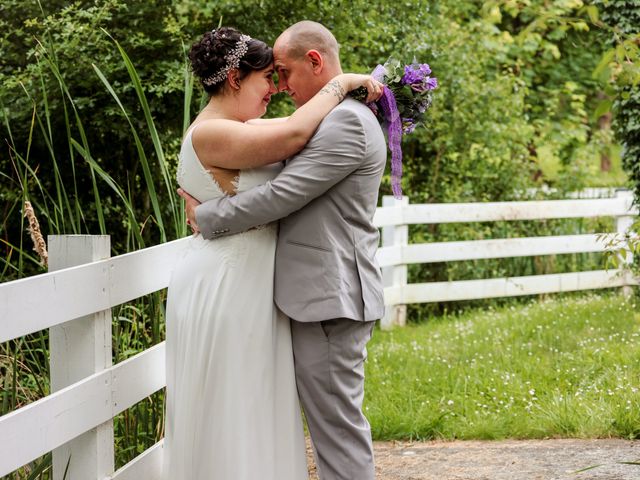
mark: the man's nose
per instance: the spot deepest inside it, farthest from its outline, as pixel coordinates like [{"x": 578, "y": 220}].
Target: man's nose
[{"x": 282, "y": 85}]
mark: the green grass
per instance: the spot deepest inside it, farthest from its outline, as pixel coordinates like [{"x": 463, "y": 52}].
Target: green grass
[{"x": 565, "y": 367}]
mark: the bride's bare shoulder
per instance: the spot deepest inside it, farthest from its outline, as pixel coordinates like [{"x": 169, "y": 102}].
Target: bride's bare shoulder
[
  {"x": 209, "y": 124},
  {"x": 207, "y": 129}
]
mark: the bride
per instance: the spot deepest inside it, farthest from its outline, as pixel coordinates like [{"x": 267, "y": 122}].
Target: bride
[{"x": 232, "y": 405}]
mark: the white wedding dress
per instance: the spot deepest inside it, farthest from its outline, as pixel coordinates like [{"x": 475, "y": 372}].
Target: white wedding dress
[{"x": 232, "y": 404}]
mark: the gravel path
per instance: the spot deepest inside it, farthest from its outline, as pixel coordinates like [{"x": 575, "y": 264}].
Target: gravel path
[{"x": 506, "y": 460}]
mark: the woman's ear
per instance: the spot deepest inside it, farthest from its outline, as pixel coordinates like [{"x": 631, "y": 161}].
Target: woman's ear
[
  {"x": 316, "y": 60},
  {"x": 234, "y": 78}
]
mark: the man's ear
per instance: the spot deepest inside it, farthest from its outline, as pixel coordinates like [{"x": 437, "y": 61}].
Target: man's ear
[
  {"x": 316, "y": 60},
  {"x": 234, "y": 78}
]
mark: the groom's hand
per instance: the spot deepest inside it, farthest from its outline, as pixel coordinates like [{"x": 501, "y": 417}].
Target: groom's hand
[{"x": 190, "y": 205}]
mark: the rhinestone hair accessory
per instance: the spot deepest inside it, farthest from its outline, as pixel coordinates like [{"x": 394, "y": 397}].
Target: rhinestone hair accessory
[{"x": 233, "y": 61}]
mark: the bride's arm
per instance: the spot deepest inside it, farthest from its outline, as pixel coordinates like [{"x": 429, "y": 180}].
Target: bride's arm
[
  {"x": 235, "y": 145},
  {"x": 267, "y": 121}
]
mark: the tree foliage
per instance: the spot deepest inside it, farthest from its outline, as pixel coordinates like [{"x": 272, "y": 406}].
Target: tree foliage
[
  {"x": 514, "y": 109},
  {"x": 624, "y": 61}
]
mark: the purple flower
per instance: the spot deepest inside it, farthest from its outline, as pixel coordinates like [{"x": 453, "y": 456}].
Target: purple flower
[
  {"x": 416, "y": 73},
  {"x": 425, "y": 69},
  {"x": 408, "y": 125},
  {"x": 418, "y": 87},
  {"x": 417, "y": 77}
]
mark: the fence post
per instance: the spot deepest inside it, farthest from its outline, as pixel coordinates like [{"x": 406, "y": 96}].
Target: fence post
[
  {"x": 394, "y": 276},
  {"x": 623, "y": 225},
  {"x": 78, "y": 349}
]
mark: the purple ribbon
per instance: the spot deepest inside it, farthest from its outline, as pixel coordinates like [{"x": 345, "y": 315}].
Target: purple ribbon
[{"x": 393, "y": 122}]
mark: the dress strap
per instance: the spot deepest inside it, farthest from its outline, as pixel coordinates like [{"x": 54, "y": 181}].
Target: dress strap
[{"x": 189, "y": 132}]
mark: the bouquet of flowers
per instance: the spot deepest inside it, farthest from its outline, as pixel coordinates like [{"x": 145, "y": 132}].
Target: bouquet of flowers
[{"x": 407, "y": 96}]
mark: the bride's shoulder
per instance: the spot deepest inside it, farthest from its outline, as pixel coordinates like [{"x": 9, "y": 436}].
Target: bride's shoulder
[
  {"x": 209, "y": 128},
  {"x": 210, "y": 123}
]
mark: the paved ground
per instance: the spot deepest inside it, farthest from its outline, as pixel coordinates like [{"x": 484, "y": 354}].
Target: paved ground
[{"x": 506, "y": 460}]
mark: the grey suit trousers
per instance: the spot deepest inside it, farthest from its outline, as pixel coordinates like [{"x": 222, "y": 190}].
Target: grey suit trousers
[{"x": 329, "y": 364}]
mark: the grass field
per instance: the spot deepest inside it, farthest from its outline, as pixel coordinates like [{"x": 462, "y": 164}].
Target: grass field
[
  {"x": 565, "y": 367},
  {"x": 568, "y": 366}
]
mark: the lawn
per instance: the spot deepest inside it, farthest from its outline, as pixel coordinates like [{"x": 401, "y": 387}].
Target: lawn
[{"x": 568, "y": 366}]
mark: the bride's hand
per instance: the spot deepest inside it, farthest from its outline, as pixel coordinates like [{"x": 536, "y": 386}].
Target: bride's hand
[
  {"x": 190, "y": 205},
  {"x": 373, "y": 86}
]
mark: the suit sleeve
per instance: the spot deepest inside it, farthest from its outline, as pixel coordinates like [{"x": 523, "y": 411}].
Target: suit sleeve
[{"x": 335, "y": 151}]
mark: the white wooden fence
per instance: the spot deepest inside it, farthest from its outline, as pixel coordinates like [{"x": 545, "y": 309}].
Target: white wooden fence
[
  {"x": 396, "y": 253},
  {"x": 76, "y": 420}
]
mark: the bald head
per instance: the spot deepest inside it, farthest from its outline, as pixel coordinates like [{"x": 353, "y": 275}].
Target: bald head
[
  {"x": 303, "y": 36},
  {"x": 306, "y": 58}
]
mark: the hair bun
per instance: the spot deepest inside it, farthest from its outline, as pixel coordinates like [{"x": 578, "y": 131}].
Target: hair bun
[{"x": 207, "y": 56}]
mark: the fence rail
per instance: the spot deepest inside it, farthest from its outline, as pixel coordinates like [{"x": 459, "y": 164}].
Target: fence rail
[
  {"x": 484, "y": 249},
  {"x": 398, "y": 213},
  {"x": 46, "y": 424},
  {"x": 396, "y": 252},
  {"x": 52, "y": 298},
  {"x": 74, "y": 303}
]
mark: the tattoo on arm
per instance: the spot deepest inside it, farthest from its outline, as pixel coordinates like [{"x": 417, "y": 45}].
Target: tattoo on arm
[{"x": 334, "y": 88}]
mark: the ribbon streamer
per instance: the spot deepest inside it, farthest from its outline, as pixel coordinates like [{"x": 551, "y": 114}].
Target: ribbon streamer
[{"x": 393, "y": 124}]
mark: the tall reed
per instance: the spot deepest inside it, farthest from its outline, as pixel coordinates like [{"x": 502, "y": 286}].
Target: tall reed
[{"x": 24, "y": 366}]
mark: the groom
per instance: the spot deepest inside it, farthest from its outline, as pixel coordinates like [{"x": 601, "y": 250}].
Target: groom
[{"x": 326, "y": 276}]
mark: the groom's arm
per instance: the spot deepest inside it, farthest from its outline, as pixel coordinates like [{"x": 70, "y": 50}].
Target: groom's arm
[{"x": 336, "y": 150}]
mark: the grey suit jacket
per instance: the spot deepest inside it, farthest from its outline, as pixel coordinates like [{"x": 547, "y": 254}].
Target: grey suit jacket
[{"x": 326, "y": 197}]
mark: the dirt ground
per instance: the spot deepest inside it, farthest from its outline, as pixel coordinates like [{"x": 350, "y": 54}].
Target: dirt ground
[{"x": 505, "y": 460}]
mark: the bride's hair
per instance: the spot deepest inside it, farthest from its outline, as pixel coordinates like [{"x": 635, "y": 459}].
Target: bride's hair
[{"x": 207, "y": 56}]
